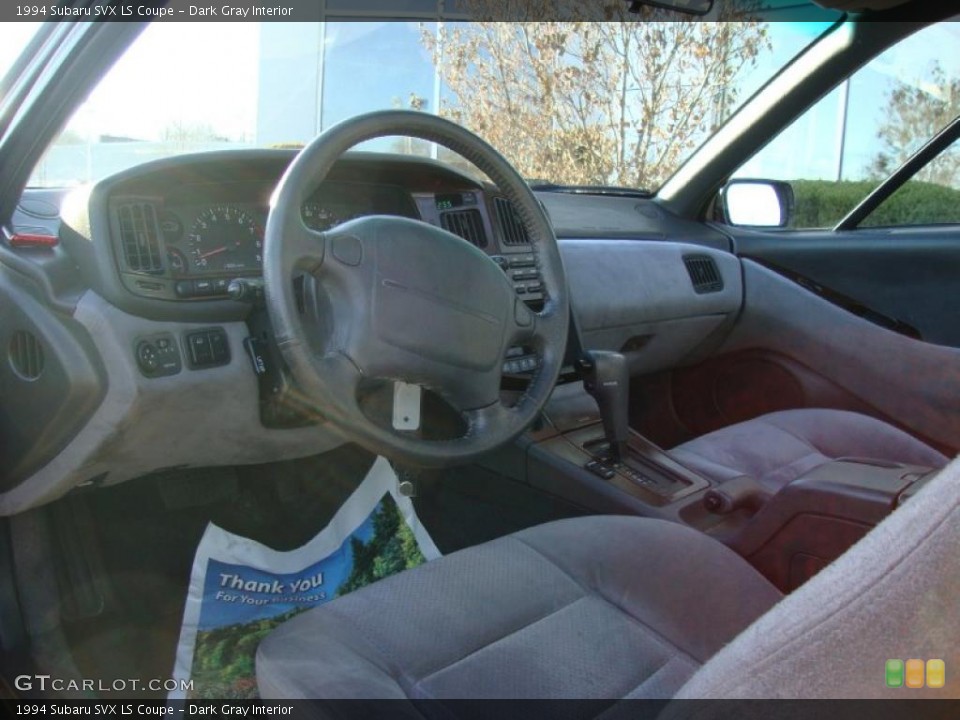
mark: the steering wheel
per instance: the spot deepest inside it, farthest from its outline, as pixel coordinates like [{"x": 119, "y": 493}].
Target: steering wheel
[{"x": 401, "y": 301}]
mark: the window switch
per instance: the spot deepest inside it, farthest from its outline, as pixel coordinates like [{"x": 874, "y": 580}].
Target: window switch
[
  {"x": 207, "y": 348},
  {"x": 200, "y": 352},
  {"x": 219, "y": 347}
]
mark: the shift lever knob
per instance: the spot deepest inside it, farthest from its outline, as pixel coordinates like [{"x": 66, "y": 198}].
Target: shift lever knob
[{"x": 607, "y": 378}]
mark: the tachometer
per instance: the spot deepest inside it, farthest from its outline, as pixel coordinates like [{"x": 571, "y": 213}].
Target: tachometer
[
  {"x": 225, "y": 238},
  {"x": 318, "y": 217}
]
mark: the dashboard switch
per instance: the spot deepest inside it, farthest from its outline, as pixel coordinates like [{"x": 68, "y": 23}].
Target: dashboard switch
[
  {"x": 200, "y": 353},
  {"x": 523, "y": 261},
  {"x": 203, "y": 287},
  {"x": 218, "y": 347},
  {"x": 158, "y": 356},
  {"x": 207, "y": 348},
  {"x": 248, "y": 290}
]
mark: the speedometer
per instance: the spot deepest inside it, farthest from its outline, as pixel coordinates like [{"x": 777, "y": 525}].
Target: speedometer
[{"x": 225, "y": 238}]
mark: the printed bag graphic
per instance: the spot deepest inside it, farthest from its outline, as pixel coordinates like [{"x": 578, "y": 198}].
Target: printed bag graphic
[{"x": 240, "y": 590}]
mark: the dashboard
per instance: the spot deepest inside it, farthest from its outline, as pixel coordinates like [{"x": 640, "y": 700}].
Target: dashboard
[
  {"x": 202, "y": 238},
  {"x": 180, "y": 231},
  {"x": 151, "y": 365}
]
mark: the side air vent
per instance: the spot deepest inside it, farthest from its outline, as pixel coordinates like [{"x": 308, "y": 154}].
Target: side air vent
[
  {"x": 26, "y": 355},
  {"x": 140, "y": 237},
  {"x": 468, "y": 224},
  {"x": 513, "y": 231},
  {"x": 703, "y": 273}
]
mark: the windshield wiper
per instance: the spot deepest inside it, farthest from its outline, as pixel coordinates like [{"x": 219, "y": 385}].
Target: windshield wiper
[{"x": 612, "y": 190}]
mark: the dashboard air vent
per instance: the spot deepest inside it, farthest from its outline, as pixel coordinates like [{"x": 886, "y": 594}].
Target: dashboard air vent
[
  {"x": 703, "y": 273},
  {"x": 26, "y": 355},
  {"x": 468, "y": 224},
  {"x": 512, "y": 229},
  {"x": 140, "y": 237}
]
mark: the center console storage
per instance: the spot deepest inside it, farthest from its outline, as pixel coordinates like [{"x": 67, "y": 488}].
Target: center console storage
[{"x": 818, "y": 516}]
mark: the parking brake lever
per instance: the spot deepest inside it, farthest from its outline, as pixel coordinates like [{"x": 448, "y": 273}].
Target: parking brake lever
[{"x": 607, "y": 378}]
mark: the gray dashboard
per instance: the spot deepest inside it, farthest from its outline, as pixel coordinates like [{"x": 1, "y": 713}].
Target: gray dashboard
[
  {"x": 164, "y": 239},
  {"x": 640, "y": 293},
  {"x": 660, "y": 303}
]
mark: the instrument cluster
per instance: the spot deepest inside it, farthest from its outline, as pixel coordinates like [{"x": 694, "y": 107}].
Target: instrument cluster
[{"x": 226, "y": 238}]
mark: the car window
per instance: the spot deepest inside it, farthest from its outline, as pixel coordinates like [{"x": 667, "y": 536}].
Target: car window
[
  {"x": 16, "y": 37},
  {"x": 856, "y": 136},
  {"x": 572, "y": 103},
  {"x": 931, "y": 197}
]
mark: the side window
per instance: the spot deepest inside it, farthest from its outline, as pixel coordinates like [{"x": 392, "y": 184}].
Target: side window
[
  {"x": 931, "y": 197},
  {"x": 845, "y": 146}
]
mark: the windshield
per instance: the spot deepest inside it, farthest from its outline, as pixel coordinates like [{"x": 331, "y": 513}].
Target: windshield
[{"x": 567, "y": 103}]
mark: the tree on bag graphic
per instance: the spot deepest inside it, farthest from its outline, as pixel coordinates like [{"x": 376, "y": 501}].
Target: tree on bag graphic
[
  {"x": 392, "y": 548},
  {"x": 224, "y": 657}
]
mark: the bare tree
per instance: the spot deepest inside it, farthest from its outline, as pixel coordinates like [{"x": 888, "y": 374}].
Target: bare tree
[
  {"x": 621, "y": 101},
  {"x": 914, "y": 113}
]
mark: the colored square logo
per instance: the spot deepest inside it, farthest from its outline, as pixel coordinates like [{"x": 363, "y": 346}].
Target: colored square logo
[
  {"x": 914, "y": 673},
  {"x": 936, "y": 673},
  {"x": 894, "y": 673}
]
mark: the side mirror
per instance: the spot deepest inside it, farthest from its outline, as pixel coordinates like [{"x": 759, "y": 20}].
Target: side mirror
[{"x": 757, "y": 203}]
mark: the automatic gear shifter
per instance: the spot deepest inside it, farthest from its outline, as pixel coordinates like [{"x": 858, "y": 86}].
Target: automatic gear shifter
[{"x": 607, "y": 378}]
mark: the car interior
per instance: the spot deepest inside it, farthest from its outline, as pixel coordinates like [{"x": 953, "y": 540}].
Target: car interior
[{"x": 665, "y": 454}]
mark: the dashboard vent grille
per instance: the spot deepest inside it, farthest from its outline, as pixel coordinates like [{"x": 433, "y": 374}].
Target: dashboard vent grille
[
  {"x": 140, "y": 237},
  {"x": 514, "y": 233},
  {"x": 703, "y": 273},
  {"x": 26, "y": 355},
  {"x": 468, "y": 224}
]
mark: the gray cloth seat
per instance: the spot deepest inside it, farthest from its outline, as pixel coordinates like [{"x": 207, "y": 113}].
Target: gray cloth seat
[
  {"x": 599, "y": 607},
  {"x": 781, "y": 446},
  {"x": 628, "y": 607}
]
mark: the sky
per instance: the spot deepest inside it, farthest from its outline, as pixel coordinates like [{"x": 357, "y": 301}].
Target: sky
[
  {"x": 207, "y": 73},
  {"x": 210, "y": 74}
]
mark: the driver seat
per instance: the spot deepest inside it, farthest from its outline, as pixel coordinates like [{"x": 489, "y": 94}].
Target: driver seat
[{"x": 618, "y": 607}]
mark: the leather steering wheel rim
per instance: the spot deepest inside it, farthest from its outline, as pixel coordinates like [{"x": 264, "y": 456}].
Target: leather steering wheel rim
[{"x": 369, "y": 275}]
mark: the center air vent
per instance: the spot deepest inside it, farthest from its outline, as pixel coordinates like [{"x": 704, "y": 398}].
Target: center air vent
[
  {"x": 140, "y": 237},
  {"x": 26, "y": 355},
  {"x": 511, "y": 228},
  {"x": 468, "y": 224},
  {"x": 703, "y": 273}
]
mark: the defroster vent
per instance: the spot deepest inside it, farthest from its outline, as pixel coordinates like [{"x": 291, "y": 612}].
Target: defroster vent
[
  {"x": 468, "y": 224},
  {"x": 704, "y": 274},
  {"x": 140, "y": 237},
  {"x": 511, "y": 228}
]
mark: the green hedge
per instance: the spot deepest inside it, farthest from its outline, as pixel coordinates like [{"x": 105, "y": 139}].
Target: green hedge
[{"x": 822, "y": 203}]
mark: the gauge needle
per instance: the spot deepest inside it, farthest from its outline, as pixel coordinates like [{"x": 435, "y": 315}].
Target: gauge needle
[{"x": 213, "y": 252}]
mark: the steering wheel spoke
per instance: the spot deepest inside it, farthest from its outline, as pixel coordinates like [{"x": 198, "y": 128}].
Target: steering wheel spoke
[
  {"x": 307, "y": 247},
  {"x": 524, "y": 324}
]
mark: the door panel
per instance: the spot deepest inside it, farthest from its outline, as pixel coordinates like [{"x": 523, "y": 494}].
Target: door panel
[
  {"x": 914, "y": 384},
  {"x": 907, "y": 274},
  {"x": 739, "y": 386}
]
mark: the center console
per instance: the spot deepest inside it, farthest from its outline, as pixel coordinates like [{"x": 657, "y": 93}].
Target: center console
[{"x": 586, "y": 452}]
